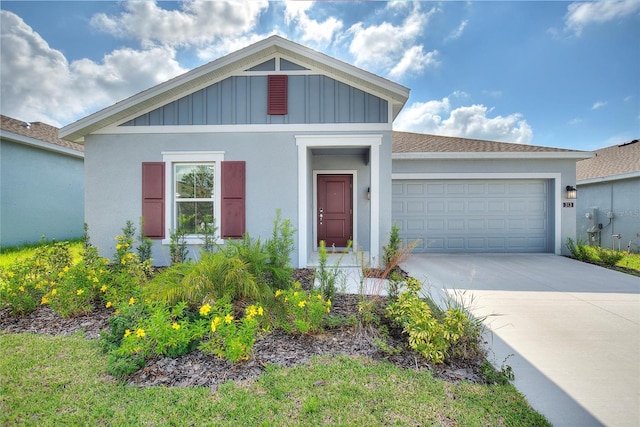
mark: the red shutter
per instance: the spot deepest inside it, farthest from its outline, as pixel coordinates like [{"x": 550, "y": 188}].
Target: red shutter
[
  {"x": 277, "y": 95},
  {"x": 153, "y": 199},
  {"x": 233, "y": 197}
]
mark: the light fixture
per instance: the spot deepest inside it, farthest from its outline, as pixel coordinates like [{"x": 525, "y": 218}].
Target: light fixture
[
  {"x": 572, "y": 193},
  {"x": 368, "y": 193}
]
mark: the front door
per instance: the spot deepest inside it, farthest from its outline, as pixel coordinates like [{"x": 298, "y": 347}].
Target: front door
[{"x": 334, "y": 210}]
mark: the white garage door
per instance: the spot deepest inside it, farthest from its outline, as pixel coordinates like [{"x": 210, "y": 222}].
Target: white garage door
[{"x": 473, "y": 215}]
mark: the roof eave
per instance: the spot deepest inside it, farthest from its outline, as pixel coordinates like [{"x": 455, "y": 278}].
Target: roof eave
[
  {"x": 568, "y": 155},
  {"x": 617, "y": 177},
  {"x": 44, "y": 145}
]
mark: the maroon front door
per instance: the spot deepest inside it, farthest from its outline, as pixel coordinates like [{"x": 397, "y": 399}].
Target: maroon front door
[{"x": 335, "y": 210}]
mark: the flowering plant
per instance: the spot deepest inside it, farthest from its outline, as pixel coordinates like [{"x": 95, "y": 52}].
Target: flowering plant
[{"x": 304, "y": 311}]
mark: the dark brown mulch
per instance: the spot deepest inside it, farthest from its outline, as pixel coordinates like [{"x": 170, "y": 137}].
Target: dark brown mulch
[{"x": 276, "y": 348}]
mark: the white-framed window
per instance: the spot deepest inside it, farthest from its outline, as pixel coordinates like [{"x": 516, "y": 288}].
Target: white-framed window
[{"x": 193, "y": 190}]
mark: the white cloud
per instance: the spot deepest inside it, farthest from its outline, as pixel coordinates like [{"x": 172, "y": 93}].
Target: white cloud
[
  {"x": 39, "y": 84},
  {"x": 581, "y": 14},
  {"x": 194, "y": 24},
  {"x": 312, "y": 31},
  {"x": 576, "y": 121},
  {"x": 467, "y": 121},
  {"x": 599, "y": 104},
  {"x": 390, "y": 47},
  {"x": 457, "y": 33}
]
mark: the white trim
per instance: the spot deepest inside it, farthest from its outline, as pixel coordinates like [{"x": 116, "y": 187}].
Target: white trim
[
  {"x": 493, "y": 155},
  {"x": 305, "y": 143},
  {"x": 258, "y": 128},
  {"x": 354, "y": 201},
  {"x": 37, "y": 143},
  {"x": 557, "y": 186},
  {"x": 171, "y": 158},
  {"x": 618, "y": 177}
]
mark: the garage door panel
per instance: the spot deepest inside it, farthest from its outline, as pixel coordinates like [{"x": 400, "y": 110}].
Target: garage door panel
[{"x": 473, "y": 215}]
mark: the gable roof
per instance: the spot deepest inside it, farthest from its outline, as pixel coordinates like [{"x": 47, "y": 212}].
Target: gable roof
[
  {"x": 408, "y": 145},
  {"x": 226, "y": 66},
  {"x": 37, "y": 134},
  {"x": 615, "y": 162}
]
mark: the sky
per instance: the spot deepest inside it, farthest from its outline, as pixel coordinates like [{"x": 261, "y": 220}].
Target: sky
[{"x": 549, "y": 73}]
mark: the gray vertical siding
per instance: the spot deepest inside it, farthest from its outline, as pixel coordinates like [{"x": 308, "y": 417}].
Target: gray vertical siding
[{"x": 243, "y": 100}]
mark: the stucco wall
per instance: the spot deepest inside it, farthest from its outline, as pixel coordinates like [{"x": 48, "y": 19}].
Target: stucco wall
[
  {"x": 41, "y": 193},
  {"x": 509, "y": 168},
  {"x": 113, "y": 180},
  {"x": 622, "y": 197}
]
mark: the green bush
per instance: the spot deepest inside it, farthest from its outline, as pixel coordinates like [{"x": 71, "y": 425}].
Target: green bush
[
  {"x": 303, "y": 312},
  {"x": 427, "y": 335},
  {"x": 609, "y": 257}
]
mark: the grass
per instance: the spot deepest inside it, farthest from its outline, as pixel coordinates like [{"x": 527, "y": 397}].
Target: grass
[
  {"x": 631, "y": 262},
  {"x": 14, "y": 254},
  {"x": 58, "y": 380}
]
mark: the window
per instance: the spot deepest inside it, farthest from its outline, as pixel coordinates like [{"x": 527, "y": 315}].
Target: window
[{"x": 193, "y": 191}]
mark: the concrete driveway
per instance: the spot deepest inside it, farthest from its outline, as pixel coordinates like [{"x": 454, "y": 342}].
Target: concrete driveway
[{"x": 572, "y": 329}]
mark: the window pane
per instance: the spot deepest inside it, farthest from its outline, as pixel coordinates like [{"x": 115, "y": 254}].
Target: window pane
[
  {"x": 194, "y": 181},
  {"x": 194, "y": 215}
]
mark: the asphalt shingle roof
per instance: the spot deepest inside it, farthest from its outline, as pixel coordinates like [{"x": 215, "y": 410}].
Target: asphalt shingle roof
[
  {"x": 610, "y": 161},
  {"x": 407, "y": 142},
  {"x": 37, "y": 130}
]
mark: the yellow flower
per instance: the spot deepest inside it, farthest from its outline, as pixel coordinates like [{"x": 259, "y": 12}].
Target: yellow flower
[
  {"x": 302, "y": 303},
  {"x": 251, "y": 311},
  {"x": 295, "y": 294},
  {"x": 21, "y": 288},
  {"x": 127, "y": 333},
  {"x": 65, "y": 269},
  {"x": 92, "y": 272},
  {"x": 123, "y": 261},
  {"x": 108, "y": 304},
  {"x": 118, "y": 246},
  {"x": 79, "y": 292},
  {"x": 328, "y": 303},
  {"x": 205, "y": 309},
  {"x": 260, "y": 311},
  {"x": 61, "y": 275},
  {"x": 44, "y": 300},
  {"x": 214, "y": 324},
  {"x": 53, "y": 292},
  {"x": 175, "y": 326},
  {"x": 278, "y": 293},
  {"x": 319, "y": 296},
  {"x": 95, "y": 280},
  {"x": 132, "y": 301},
  {"x": 10, "y": 274},
  {"x": 228, "y": 318},
  {"x": 140, "y": 333},
  {"x": 103, "y": 288}
]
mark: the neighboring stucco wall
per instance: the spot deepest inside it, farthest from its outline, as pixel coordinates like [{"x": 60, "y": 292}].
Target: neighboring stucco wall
[
  {"x": 508, "y": 168},
  {"x": 41, "y": 194},
  {"x": 622, "y": 197}
]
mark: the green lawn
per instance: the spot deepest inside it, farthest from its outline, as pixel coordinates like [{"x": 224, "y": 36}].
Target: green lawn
[
  {"x": 56, "y": 380},
  {"x": 12, "y": 254}
]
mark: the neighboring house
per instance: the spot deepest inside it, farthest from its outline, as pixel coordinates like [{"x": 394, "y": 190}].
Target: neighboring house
[
  {"x": 609, "y": 193},
  {"x": 41, "y": 184},
  {"x": 279, "y": 126}
]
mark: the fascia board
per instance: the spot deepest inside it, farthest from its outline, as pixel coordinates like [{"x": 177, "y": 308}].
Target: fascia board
[
  {"x": 618, "y": 177},
  {"x": 493, "y": 155},
  {"x": 36, "y": 143}
]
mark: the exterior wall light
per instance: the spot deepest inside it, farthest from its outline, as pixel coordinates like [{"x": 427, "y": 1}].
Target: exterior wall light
[{"x": 572, "y": 193}]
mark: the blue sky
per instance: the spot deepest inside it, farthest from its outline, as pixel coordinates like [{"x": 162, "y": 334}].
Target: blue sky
[{"x": 560, "y": 74}]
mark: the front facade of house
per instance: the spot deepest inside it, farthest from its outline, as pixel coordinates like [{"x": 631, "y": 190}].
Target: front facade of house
[
  {"x": 277, "y": 126},
  {"x": 272, "y": 126},
  {"x": 41, "y": 184},
  {"x": 608, "y": 185}
]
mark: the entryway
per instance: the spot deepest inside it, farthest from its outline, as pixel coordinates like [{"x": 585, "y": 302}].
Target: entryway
[{"x": 334, "y": 210}]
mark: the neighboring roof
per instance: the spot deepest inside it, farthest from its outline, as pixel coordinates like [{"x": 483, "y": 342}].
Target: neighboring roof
[
  {"x": 37, "y": 134},
  {"x": 226, "y": 66},
  {"x": 407, "y": 145},
  {"x": 610, "y": 163}
]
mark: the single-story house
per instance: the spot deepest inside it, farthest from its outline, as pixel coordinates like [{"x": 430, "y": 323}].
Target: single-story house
[
  {"x": 277, "y": 125},
  {"x": 609, "y": 197},
  {"x": 41, "y": 184}
]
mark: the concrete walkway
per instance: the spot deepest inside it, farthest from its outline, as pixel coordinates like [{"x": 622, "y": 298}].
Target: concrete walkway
[{"x": 569, "y": 330}]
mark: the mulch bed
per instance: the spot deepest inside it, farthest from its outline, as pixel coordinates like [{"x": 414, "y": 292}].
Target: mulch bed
[{"x": 276, "y": 348}]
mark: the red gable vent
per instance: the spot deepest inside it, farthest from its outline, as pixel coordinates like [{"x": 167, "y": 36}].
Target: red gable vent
[{"x": 277, "y": 95}]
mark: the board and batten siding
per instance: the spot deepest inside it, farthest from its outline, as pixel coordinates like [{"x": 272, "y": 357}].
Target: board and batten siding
[{"x": 243, "y": 100}]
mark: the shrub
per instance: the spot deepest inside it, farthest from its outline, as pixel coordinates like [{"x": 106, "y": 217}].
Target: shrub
[
  {"x": 392, "y": 249},
  {"x": 278, "y": 250},
  {"x": 609, "y": 257},
  {"x": 327, "y": 277},
  {"x": 303, "y": 312},
  {"x": 21, "y": 290},
  {"x": 430, "y": 337},
  {"x": 578, "y": 250}
]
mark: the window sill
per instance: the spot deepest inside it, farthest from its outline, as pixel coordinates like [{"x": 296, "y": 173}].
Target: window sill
[{"x": 192, "y": 241}]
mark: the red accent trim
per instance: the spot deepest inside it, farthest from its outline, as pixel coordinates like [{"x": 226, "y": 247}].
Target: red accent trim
[
  {"x": 277, "y": 94},
  {"x": 232, "y": 223},
  {"x": 153, "y": 199}
]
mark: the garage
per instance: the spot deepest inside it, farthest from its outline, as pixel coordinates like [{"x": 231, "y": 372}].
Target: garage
[{"x": 474, "y": 215}]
